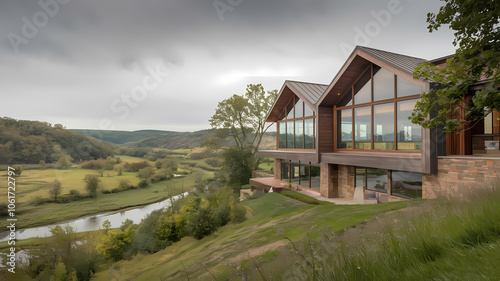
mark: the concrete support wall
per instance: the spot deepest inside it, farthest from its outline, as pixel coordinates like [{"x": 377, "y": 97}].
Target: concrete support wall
[
  {"x": 329, "y": 184},
  {"x": 277, "y": 169},
  {"x": 457, "y": 175}
]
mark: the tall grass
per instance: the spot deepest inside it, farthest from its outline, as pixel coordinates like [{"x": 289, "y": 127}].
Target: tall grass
[{"x": 440, "y": 239}]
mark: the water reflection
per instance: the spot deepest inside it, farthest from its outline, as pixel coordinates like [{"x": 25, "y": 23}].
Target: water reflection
[{"x": 93, "y": 222}]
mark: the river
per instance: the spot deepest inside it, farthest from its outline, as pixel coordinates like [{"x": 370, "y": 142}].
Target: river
[{"x": 93, "y": 222}]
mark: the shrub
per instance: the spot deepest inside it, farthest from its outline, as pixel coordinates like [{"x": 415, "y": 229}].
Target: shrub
[
  {"x": 4, "y": 210},
  {"x": 74, "y": 193},
  {"x": 124, "y": 185},
  {"x": 238, "y": 213},
  {"x": 143, "y": 184},
  {"x": 300, "y": 197},
  {"x": 92, "y": 184}
]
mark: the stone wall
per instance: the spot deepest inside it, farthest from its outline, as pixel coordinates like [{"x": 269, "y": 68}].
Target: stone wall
[
  {"x": 460, "y": 174},
  {"x": 347, "y": 181},
  {"x": 329, "y": 184},
  {"x": 277, "y": 169}
]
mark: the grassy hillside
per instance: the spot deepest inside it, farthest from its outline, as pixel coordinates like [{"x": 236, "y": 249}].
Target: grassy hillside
[
  {"x": 28, "y": 142},
  {"x": 273, "y": 219}
]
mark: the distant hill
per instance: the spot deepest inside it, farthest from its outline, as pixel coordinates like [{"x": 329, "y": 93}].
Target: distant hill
[
  {"x": 165, "y": 139},
  {"x": 120, "y": 137},
  {"x": 28, "y": 142}
]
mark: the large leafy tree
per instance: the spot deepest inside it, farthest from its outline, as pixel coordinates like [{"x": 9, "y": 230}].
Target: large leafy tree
[
  {"x": 243, "y": 117},
  {"x": 477, "y": 30}
]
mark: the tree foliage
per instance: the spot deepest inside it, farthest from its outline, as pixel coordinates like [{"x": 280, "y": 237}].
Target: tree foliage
[
  {"x": 92, "y": 185},
  {"x": 243, "y": 117},
  {"x": 28, "y": 142},
  {"x": 477, "y": 30},
  {"x": 55, "y": 188}
]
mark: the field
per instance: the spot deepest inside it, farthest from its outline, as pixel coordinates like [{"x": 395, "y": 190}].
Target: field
[
  {"x": 33, "y": 183},
  {"x": 273, "y": 219}
]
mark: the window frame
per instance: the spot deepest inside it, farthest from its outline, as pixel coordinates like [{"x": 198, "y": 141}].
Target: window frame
[
  {"x": 372, "y": 103},
  {"x": 294, "y": 100}
]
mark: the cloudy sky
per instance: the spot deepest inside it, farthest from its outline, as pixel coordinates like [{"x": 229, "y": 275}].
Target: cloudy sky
[{"x": 152, "y": 64}]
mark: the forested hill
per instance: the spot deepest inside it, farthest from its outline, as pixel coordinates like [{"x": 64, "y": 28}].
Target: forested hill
[
  {"x": 28, "y": 142},
  {"x": 164, "y": 139},
  {"x": 120, "y": 137}
]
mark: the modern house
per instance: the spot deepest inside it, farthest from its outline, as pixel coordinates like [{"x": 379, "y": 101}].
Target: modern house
[{"x": 355, "y": 132}]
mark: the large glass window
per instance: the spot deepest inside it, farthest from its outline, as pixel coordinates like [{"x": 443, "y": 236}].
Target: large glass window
[
  {"x": 315, "y": 177},
  {"x": 294, "y": 173},
  {"x": 299, "y": 134},
  {"x": 376, "y": 180},
  {"x": 409, "y": 134},
  {"x": 363, "y": 88},
  {"x": 300, "y": 173},
  {"x": 304, "y": 175},
  {"x": 406, "y": 88},
  {"x": 289, "y": 134},
  {"x": 299, "y": 109},
  {"x": 309, "y": 133},
  {"x": 285, "y": 170},
  {"x": 366, "y": 120},
  {"x": 308, "y": 112},
  {"x": 282, "y": 134},
  {"x": 345, "y": 128},
  {"x": 362, "y": 127},
  {"x": 383, "y": 84},
  {"x": 296, "y": 127},
  {"x": 383, "y": 126},
  {"x": 360, "y": 177},
  {"x": 406, "y": 184}
]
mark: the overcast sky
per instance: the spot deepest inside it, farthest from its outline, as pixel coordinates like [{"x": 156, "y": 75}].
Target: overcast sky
[{"x": 152, "y": 64}]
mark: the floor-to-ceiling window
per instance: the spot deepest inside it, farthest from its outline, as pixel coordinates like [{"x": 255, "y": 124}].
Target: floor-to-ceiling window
[
  {"x": 373, "y": 113},
  {"x": 296, "y": 127},
  {"x": 305, "y": 174}
]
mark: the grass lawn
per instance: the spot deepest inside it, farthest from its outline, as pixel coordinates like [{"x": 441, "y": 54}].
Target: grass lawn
[
  {"x": 32, "y": 183},
  {"x": 273, "y": 219}
]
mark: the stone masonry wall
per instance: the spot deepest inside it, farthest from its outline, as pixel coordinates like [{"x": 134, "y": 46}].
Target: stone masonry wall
[
  {"x": 347, "y": 181},
  {"x": 460, "y": 174}
]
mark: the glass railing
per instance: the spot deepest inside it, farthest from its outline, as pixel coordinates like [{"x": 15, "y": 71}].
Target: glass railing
[{"x": 486, "y": 145}]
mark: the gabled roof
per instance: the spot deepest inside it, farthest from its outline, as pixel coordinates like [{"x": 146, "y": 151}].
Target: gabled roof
[
  {"x": 357, "y": 62},
  {"x": 310, "y": 93},
  {"x": 403, "y": 62}
]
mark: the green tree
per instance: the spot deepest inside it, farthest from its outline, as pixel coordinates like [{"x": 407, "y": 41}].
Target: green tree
[
  {"x": 92, "y": 185},
  {"x": 55, "y": 189},
  {"x": 243, "y": 117},
  {"x": 145, "y": 173},
  {"x": 477, "y": 36},
  {"x": 114, "y": 245},
  {"x": 42, "y": 164},
  {"x": 63, "y": 163},
  {"x": 239, "y": 163}
]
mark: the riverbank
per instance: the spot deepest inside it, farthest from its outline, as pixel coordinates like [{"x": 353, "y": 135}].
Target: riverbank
[{"x": 30, "y": 215}]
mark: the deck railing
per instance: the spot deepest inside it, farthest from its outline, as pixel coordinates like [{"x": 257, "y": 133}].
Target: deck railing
[{"x": 486, "y": 145}]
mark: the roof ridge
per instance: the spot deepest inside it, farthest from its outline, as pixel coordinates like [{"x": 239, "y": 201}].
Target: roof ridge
[
  {"x": 303, "y": 82},
  {"x": 364, "y": 47}
]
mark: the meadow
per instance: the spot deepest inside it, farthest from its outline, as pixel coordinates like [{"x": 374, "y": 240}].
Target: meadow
[{"x": 33, "y": 184}]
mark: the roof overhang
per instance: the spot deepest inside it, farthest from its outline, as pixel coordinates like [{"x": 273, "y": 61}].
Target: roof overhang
[
  {"x": 353, "y": 68},
  {"x": 287, "y": 92}
]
